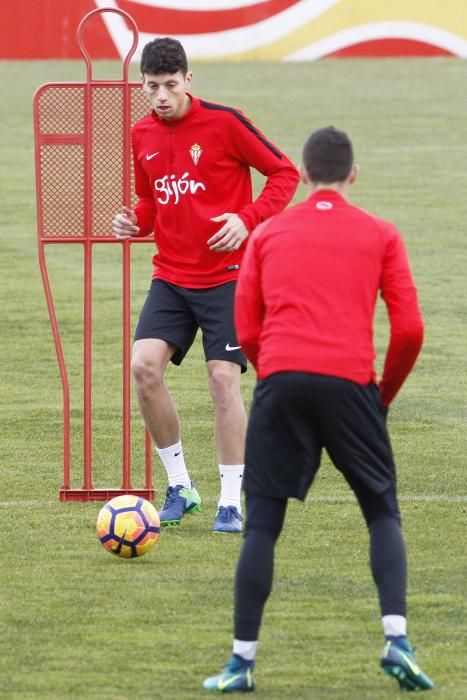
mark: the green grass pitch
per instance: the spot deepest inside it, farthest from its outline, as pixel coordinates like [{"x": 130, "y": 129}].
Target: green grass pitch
[{"x": 78, "y": 623}]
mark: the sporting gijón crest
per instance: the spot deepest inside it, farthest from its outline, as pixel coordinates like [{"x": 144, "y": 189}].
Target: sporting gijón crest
[{"x": 195, "y": 153}]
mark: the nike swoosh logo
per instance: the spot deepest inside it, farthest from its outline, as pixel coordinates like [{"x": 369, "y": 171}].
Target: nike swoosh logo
[
  {"x": 118, "y": 549},
  {"x": 149, "y": 156},
  {"x": 413, "y": 667},
  {"x": 177, "y": 453},
  {"x": 225, "y": 684},
  {"x": 229, "y": 347}
]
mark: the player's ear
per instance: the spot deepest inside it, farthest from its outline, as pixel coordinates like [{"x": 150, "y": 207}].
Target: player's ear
[
  {"x": 188, "y": 79},
  {"x": 304, "y": 177},
  {"x": 354, "y": 173}
]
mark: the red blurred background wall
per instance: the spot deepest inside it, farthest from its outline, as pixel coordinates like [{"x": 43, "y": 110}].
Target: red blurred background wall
[
  {"x": 38, "y": 29},
  {"x": 46, "y": 29}
]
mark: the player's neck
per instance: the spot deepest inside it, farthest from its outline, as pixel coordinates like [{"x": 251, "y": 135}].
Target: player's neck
[
  {"x": 341, "y": 188},
  {"x": 186, "y": 106}
]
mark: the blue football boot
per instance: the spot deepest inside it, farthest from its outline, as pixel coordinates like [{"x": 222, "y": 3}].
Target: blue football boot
[
  {"x": 236, "y": 677},
  {"x": 228, "y": 519},
  {"x": 179, "y": 500}
]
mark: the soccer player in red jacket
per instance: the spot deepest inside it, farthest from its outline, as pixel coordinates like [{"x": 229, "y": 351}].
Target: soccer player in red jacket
[
  {"x": 304, "y": 310},
  {"x": 192, "y": 161}
]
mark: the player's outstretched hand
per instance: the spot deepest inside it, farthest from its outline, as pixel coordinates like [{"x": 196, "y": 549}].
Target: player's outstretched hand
[
  {"x": 230, "y": 236},
  {"x": 124, "y": 225}
]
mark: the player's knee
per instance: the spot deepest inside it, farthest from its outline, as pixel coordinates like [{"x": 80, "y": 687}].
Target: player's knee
[
  {"x": 224, "y": 386},
  {"x": 265, "y": 516},
  {"x": 381, "y": 506},
  {"x": 147, "y": 374},
  {"x": 383, "y": 520},
  {"x": 263, "y": 530}
]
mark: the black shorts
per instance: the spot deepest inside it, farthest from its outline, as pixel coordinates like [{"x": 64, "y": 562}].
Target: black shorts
[
  {"x": 295, "y": 415},
  {"x": 174, "y": 314}
]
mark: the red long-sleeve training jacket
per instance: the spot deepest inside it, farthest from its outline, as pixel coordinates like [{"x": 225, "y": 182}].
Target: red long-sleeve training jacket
[
  {"x": 307, "y": 291},
  {"x": 191, "y": 169}
]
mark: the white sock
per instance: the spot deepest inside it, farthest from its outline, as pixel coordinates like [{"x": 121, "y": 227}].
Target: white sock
[
  {"x": 231, "y": 484},
  {"x": 247, "y": 650},
  {"x": 394, "y": 625},
  {"x": 174, "y": 462}
]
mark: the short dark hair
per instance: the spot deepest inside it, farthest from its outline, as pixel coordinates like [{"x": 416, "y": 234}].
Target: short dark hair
[
  {"x": 328, "y": 155},
  {"x": 164, "y": 55}
]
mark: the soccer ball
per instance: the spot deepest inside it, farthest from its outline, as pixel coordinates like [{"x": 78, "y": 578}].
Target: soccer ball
[{"x": 128, "y": 526}]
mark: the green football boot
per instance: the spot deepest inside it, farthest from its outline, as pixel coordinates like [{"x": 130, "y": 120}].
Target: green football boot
[
  {"x": 179, "y": 500},
  {"x": 397, "y": 660}
]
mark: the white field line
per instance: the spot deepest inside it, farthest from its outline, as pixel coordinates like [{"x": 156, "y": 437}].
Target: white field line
[
  {"x": 420, "y": 148},
  {"x": 409, "y": 498}
]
